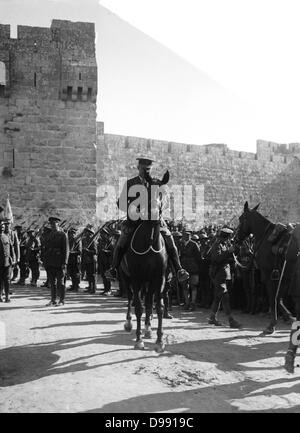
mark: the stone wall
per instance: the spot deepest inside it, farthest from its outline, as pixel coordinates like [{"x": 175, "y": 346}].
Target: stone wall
[
  {"x": 48, "y": 120},
  {"x": 228, "y": 177}
]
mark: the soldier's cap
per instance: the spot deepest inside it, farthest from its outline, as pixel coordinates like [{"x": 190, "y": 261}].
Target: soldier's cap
[
  {"x": 146, "y": 160},
  {"x": 226, "y": 230},
  {"x": 117, "y": 232},
  {"x": 195, "y": 237},
  {"x": 54, "y": 219},
  {"x": 188, "y": 232},
  {"x": 176, "y": 234},
  {"x": 18, "y": 227},
  {"x": 203, "y": 236}
]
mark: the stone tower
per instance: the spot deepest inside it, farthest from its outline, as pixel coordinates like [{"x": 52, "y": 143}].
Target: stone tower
[{"x": 48, "y": 91}]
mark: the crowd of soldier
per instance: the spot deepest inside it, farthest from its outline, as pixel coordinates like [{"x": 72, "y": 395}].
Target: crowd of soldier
[{"x": 82, "y": 255}]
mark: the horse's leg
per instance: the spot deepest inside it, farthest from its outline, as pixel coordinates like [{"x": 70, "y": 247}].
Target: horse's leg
[
  {"x": 159, "y": 345},
  {"x": 149, "y": 308},
  {"x": 271, "y": 289},
  {"x": 292, "y": 350},
  {"x": 128, "y": 323},
  {"x": 138, "y": 308}
]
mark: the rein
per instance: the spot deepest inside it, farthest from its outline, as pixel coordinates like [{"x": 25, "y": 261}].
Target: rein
[{"x": 150, "y": 247}]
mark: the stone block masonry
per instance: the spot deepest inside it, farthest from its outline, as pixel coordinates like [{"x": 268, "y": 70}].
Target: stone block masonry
[
  {"x": 48, "y": 120},
  {"x": 228, "y": 177}
]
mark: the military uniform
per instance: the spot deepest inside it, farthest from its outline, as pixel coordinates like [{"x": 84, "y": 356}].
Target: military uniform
[
  {"x": 133, "y": 220},
  {"x": 15, "y": 243},
  {"x": 7, "y": 258},
  {"x": 22, "y": 265},
  {"x": 220, "y": 273},
  {"x": 89, "y": 258},
  {"x": 33, "y": 250},
  {"x": 74, "y": 259},
  {"x": 293, "y": 259},
  {"x": 190, "y": 259},
  {"x": 105, "y": 253},
  {"x": 55, "y": 257},
  {"x": 204, "y": 280}
]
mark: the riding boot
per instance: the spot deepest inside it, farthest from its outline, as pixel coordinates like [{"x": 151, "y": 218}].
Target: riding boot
[{"x": 181, "y": 273}]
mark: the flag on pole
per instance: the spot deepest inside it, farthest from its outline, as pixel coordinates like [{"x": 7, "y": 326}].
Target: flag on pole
[{"x": 8, "y": 212}]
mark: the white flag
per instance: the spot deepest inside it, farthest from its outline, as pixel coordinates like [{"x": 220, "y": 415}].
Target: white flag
[{"x": 8, "y": 212}]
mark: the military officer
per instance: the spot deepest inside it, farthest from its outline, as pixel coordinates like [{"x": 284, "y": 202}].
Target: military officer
[
  {"x": 55, "y": 256},
  {"x": 15, "y": 243},
  {"x": 89, "y": 258},
  {"x": 220, "y": 273},
  {"x": 74, "y": 259},
  {"x": 7, "y": 258},
  {"x": 33, "y": 247},
  {"x": 128, "y": 226},
  {"x": 190, "y": 258}
]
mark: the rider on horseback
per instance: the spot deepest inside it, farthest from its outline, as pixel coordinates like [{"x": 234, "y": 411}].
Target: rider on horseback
[{"x": 130, "y": 225}]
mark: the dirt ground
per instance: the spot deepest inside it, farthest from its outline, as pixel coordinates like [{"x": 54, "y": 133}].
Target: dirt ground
[{"x": 78, "y": 358}]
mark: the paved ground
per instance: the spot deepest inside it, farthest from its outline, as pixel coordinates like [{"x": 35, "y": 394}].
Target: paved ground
[{"x": 78, "y": 358}]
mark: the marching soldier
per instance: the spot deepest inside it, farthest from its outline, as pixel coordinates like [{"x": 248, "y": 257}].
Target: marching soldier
[
  {"x": 23, "y": 264},
  {"x": 33, "y": 247},
  {"x": 89, "y": 258},
  {"x": 7, "y": 259},
  {"x": 15, "y": 243},
  {"x": 74, "y": 259},
  {"x": 55, "y": 256},
  {"x": 205, "y": 283},
  {"x": 190, "y": 258},
  {"x": 221, "y": 257}
]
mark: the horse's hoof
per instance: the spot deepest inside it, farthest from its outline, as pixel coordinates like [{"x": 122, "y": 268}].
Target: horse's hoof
[
  {"x": 159, "y": 347},
  {"x": 289, "y": 363},
  {"x": 128, "y": 326},
  {"x": 139, "y": 345},
  {"x": 268, "y": 331},
  {"x": 148, "y": 334}
]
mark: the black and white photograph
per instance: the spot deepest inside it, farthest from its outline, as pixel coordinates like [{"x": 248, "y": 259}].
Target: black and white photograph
[{"x": 149, "y": 209}]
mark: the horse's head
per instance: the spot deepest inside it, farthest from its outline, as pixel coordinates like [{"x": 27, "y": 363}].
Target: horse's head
[{"x": 245, "y": 227}]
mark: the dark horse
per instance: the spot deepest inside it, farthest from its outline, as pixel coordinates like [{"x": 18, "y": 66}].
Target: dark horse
[
  {"x": 145, "y": 263},
  {"x": 251, "y": 221}
]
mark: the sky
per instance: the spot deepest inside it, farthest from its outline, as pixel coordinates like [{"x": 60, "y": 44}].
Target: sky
[{"x": 193, "y": 71}]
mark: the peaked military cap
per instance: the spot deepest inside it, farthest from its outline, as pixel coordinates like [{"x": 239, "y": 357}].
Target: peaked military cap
[
  {"x": 195, "y": 237},
  {"x": 203, "y": 236},
  {"x": 54, "y": 219},
  {"x": 144, "y": 159},
  {"x": 117, "y": 232},
  {"x": 226, "y": 230},
  {"x": 177, "y": 234}
]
